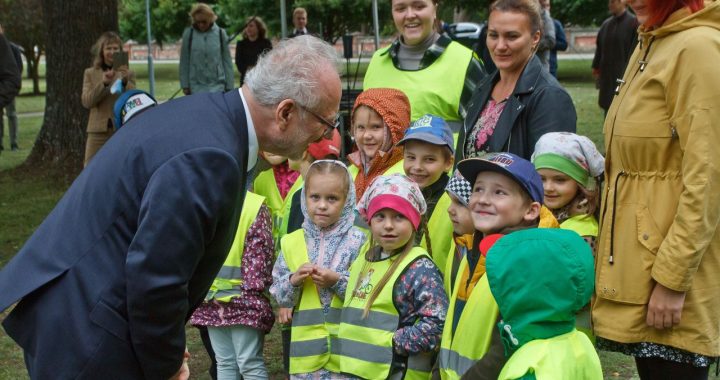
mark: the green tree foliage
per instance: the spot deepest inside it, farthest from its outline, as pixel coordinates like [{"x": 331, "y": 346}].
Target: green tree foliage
[
  {"x": 329, "y": 18},
  {"x": 580, "y": 12},
  {"x": 575, "y": 12},
  {"x": 168, "y": 19},
  {"x": 23, "y": 24}
]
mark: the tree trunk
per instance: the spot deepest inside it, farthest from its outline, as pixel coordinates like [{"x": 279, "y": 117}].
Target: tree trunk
[
  {"x": 60, "y": 145},
  {"x": 460, "y": 15}
]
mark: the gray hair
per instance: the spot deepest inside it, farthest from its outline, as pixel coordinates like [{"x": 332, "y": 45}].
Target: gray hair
[{"x": 292, "y": 70}]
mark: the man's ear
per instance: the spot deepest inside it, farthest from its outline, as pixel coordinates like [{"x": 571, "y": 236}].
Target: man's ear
[
  {"x": 282, "y": 113},
  {"x": 533, "y": 212}
]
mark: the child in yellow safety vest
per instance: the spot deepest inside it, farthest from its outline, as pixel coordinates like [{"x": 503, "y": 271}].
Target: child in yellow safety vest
[
  {"x": 429, "y": 151},
  {"x": 395, "y": 304},
  {"x": 277, "y": 185},
  {"x": 459, "y": 190},
  {"x": 506, "y": 197},
  {"x": 311, "y": 273},
  {"x": 540, "y": 278},
  {"x": 570, "y": 167},
  {"x": 236, "y": 311},
  {"x": 293, "y": 216}
]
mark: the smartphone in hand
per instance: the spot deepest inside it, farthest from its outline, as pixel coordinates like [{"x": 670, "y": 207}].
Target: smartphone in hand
[{"x": 119, "y": 59}]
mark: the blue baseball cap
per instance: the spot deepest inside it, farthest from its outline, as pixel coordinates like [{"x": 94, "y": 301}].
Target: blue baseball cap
[
  {"x": 130, "y": 103},
  {"x": 432, "y": 129},
  {"x": 513, "y": 166}
]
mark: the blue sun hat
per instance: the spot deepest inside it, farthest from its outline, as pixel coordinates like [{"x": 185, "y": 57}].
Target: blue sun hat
[
  {"x": 431, "y": 129},
  {"x": 129, "y": 104}
]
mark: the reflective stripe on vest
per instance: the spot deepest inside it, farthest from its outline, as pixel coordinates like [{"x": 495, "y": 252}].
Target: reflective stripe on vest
[
  {"x": 567, "y": 356},
  {"x": 447, "y": 75},
  {"x": 441, "y": 232},
  {"x": 312, "y": 330},
  {"x": 228, "y": 282},
  {"x": 266, "y": 186},
  {"x": 460, "y": 349},
  {"x": 364, "y": 346}
]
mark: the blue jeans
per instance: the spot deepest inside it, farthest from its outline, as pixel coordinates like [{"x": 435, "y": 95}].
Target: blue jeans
[{"x": 238, "y": 351}]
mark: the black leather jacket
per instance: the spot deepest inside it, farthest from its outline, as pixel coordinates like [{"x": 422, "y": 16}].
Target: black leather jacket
[{"x": 538, "y": 104}]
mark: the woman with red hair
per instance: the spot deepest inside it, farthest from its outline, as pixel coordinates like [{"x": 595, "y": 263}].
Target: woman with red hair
[{"x": 657, "y": 289}]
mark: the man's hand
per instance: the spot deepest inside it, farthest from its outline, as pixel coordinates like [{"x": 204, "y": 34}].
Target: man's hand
[
  {"x": 324, "y": 277},
  {"x": 184, "y": 372},
  {"x": 665, "y": 307},
  {"x": 297, "y": 278},
  {"x": 285, "y": 315}
]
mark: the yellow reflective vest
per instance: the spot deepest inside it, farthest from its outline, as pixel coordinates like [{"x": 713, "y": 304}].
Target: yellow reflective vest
[
  {"x": 441, "y": 232},
  {"x": 460, "y": 349},
  {"x": 364, "y": 346},
  {"x": 567, "y": 356},
  {"x": 266, "y": 186},
  {"x": 397, "y": 168},
  {"x": 312, "y": 331},
  {"x": 228, "y": 282},
  {"x": 446, "y": 74}
]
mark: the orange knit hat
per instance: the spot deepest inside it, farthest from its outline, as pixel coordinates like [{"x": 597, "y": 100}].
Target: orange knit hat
[{"x": 393, "y": 107}]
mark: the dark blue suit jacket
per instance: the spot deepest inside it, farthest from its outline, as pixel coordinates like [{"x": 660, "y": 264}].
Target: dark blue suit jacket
[{"x": 109, "y": 279}]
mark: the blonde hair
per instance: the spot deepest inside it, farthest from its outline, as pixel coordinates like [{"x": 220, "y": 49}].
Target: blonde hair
[
  {"x": 299, "y": 10},
  {"x": 328, "y": 167},
  {"x": 99, "y": 45},
  {"x": 202, "y": 8}
]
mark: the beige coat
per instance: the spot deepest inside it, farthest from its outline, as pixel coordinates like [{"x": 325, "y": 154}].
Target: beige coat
[
  {"x": 97, "y": 98},
  {"x": 662, "y": 195}
]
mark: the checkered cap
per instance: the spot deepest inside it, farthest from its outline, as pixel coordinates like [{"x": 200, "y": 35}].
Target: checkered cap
[{"x": 460, "y": 188}]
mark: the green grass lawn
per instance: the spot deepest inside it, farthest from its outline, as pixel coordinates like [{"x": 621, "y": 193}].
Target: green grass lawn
[{"x": 26, "y": 199}]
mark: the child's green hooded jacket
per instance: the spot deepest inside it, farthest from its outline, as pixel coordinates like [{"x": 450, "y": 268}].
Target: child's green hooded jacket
[{"x": 540, "y": 278}]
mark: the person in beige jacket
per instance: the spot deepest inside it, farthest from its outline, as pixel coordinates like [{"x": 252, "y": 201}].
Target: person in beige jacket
[
  {"x": 657, "y": 290},
  {"x": 96, "y": 95}
]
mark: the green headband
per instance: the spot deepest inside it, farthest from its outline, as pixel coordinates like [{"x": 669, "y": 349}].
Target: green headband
[{"x": 566, "y": 166}]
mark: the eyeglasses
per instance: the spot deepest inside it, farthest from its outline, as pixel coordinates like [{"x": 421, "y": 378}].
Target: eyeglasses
[{"x": 329, "y": 126}]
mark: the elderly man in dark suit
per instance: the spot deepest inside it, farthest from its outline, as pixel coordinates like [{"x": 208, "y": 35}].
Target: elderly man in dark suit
[{"x": 108, "y": 280}]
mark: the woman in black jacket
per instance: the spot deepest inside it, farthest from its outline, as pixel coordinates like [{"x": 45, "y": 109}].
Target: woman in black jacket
[
  {"x": 511, "y": 109},
  {"x": 251, "y": 46}
]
